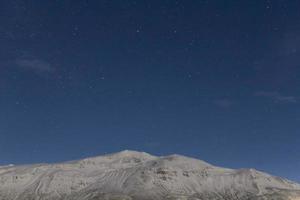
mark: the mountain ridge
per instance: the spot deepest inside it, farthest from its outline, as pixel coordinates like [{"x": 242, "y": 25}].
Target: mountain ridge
[{"x": 139, "y": 175}]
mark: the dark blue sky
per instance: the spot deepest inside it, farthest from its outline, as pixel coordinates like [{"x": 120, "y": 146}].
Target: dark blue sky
[{"x": 216, "y": 80}]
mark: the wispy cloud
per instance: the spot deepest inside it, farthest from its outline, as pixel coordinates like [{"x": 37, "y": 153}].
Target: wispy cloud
[
  {"x": 36, "y": 65},
  {"x": 277, "y": 97},
  {"x": 224, "y": 103}
]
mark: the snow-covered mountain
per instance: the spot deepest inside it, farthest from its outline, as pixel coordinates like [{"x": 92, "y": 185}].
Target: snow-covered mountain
[{"x": 140, "y": 176}]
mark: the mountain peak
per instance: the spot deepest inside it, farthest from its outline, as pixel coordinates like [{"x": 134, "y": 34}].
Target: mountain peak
[
  {"x": 127, "y": 152},
  {"x": 130, "y": 154}
]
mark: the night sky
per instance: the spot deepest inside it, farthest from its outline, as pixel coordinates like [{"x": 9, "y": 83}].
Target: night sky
[{"x": 216, "y": 80}]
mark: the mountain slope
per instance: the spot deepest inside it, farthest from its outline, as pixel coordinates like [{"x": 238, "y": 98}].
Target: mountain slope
[{"x": 136, "y": 175}]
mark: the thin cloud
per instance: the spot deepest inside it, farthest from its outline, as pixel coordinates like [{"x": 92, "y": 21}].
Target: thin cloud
[
  {"x": 36, "y": 65},
  {"x": 152, "y": 144},
  {"x": 224, "y": 103},
  {"x": 277, "y": 97},
  {"x": 267, "y": 94}
]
